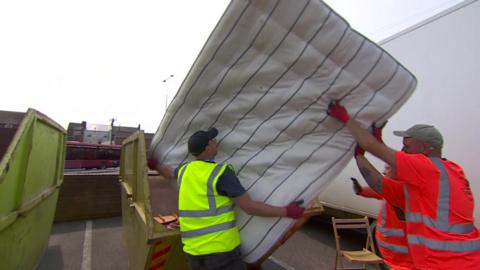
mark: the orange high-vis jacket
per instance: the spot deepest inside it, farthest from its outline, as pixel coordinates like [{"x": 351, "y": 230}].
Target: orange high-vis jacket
[
  {"x": 390, "y": 233},
  {"x": 439, "y": 212}
]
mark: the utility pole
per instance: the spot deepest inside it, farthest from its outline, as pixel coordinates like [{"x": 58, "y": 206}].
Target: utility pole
[
  {"x": 112, "y": 121},
  {"x": 166, "y": 90}
]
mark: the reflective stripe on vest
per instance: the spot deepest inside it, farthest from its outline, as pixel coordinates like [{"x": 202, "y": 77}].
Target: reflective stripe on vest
[
  {"x": 215, "y": 228},
  {"x": 212, "y": 207},
  {"x": 387, "y": 231},
  {"x": 180, "y": 176},
  {"x": 441, "y": 223},
  {"x": 393, "y": 247}
]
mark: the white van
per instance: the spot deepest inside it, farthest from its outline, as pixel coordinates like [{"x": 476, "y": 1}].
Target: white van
[{"x": 443, "y": 52}]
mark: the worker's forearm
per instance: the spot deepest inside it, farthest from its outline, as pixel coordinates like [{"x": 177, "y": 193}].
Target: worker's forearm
[
  {"x": 258, "y": 208},
  {"x": 370, "y": 144},
  {"x": 266, "y": 210},
  {"x": 368, "y": 192},
  {"x": 166, "y": 171},
  {"x": 371, "y": 175},
  {"x": 362, "y": 136}
]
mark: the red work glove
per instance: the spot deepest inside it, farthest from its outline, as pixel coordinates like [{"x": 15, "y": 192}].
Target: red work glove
[
  {"x": 377, "y": 131},
  {"x": 359, "y": 151},
  {"x": 152, "y": 164},
  {"x": 356, "y": 186},
  {"x": 294, "y": 210},
  {"x": 338, "y": 112}
]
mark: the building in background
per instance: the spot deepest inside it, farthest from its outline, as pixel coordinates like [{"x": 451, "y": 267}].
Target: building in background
[
  {"x": 9, "y": 122},
  {"x": 75, "y": 131},
  {"x": 98, "y": 134},
  {"x": 102, "y": 134}
]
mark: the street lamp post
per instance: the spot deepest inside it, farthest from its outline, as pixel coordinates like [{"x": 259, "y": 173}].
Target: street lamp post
[
  {"x": 166, "y": 90},
  {"x": 112, "y": 137}
]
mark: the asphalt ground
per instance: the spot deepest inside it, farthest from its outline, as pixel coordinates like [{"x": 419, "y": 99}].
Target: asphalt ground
[{"x": 98, "y": 244}]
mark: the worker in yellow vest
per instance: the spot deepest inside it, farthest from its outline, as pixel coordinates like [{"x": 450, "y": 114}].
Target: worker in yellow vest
[{"x": 208, "y": 192}]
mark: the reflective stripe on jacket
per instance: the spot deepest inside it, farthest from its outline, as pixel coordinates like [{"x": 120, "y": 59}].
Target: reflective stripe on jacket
[
  {"x": 390, "y": 233},
  {"x": 391, "y": 238},
  {"x": 441, "y": 223},
  {"x": 437, "y": 240},
  {"x": 207, "y": 219}
]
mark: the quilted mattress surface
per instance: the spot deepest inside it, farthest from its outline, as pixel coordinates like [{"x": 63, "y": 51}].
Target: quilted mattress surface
[{"x": 264, "y": 79}]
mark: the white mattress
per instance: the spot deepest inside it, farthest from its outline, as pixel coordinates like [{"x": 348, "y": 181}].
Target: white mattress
[{"x": 265, "y": 78}]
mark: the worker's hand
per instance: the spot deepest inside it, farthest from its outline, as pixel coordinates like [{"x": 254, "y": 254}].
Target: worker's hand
[
  {"x": 359, "y": 151},
  {"x": 163, "y": 169},
  {"x": 338, "y": 112},
  {"x": 294, "y": 210},
  {"x": 356, "y": 186},
  {"x": 166, "y": 171},
  {"x": 152, "y": 164},
  {"x": 377, "y": 131},
  {"x": 173, "y": 225}
]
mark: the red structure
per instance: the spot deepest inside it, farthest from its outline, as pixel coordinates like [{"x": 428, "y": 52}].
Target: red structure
[{"x": 81, "y": 155}]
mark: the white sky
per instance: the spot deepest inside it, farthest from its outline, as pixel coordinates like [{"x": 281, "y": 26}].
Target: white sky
[{"x": 93, "y": 60}]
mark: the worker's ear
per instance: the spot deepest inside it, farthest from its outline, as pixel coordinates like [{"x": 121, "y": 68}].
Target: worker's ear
[
  {"x": 427, "y": 149},
  {"x": 209, "y": 146}
]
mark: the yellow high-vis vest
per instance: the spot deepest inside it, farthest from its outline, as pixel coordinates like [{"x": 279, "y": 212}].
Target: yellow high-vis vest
[{"x": 207, "y": 219}]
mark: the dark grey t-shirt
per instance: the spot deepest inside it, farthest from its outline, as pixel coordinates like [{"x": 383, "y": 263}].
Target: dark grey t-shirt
[{"x": 228, "y": 183}]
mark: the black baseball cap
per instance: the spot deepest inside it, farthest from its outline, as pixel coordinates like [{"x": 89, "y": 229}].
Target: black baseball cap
[{"x": 199, "y": 140}]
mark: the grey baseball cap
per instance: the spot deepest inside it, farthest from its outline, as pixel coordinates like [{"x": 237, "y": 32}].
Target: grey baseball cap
[{"x": 423, "y": 133}]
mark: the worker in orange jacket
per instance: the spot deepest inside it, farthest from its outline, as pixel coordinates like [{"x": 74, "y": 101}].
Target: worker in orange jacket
[
  {"x": 391, "y": 228},
  {"x": 438, "y": 201},
  {"x": 390, "y": 233}
]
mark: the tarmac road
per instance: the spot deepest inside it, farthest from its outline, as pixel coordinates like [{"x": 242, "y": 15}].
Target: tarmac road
[{"x": 98, "y": 244}]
